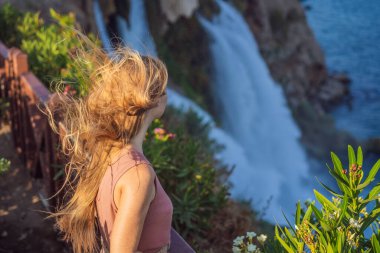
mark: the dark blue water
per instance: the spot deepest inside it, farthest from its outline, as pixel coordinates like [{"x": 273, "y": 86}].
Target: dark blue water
[{"x": 349, "y": 33}]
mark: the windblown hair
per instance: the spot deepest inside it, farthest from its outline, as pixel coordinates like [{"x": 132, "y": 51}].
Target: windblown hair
[{"x": 93, "y": 127}]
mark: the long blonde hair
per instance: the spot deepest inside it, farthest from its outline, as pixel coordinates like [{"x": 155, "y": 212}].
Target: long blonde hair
[{"x": 121, "y": 88}]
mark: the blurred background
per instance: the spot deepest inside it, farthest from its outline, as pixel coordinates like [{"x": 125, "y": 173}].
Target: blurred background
[{"x": 279, "y": 84}]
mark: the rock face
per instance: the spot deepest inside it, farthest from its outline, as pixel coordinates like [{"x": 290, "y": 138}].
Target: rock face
[
  {"x": 297, "y": 62},
  {"x": 173, "y": 9},
  {"x": 294, "y": 57}
]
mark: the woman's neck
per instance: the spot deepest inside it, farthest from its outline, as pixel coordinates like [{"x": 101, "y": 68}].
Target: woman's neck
[{"x": 137, "y": 141}]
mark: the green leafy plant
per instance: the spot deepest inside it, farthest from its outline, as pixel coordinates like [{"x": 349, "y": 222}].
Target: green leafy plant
[
  {"x": 187, "y": 170},
  {"x": 49, "y": 47},
  {"x": 4, "y": 165},
  {"x": 339, "y": 225}
]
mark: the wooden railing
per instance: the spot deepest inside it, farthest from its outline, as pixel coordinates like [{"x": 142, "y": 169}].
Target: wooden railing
[{"x": 36, "y": 144}]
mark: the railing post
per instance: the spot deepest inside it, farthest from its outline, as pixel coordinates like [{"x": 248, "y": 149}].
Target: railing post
[{"x": 18, "y": 66}]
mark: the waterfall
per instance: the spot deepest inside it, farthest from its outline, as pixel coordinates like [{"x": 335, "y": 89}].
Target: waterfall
[
  {"x": 259, "y": 135},
  {"x": 99, "y": 20},
  {"x": 254, "y": 112},
  {"x": 135, "y": 33}
]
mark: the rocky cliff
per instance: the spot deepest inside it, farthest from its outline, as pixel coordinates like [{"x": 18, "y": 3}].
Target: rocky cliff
[{"x": 292, "y": 53}]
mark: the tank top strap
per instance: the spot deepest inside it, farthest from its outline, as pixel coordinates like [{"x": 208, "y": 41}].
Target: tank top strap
[{"x": 125, "y": 162}]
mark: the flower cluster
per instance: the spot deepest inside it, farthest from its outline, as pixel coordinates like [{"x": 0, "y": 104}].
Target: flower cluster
[
  {"x": 69, "y": 90},
  {"x": 244, "y": 244},
  {"x": 304, "y": 232},
  {"x": 356, "y": 171},
  {"x": 160, "y": 134},
  {"x": 330, "y": 215}
]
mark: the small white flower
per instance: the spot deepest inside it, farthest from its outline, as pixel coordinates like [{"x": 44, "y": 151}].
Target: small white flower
[
  {"x": 238, "y": 240},
  {"x": 296, "y": 227},
  {"x": 236, "y": 249},
  {"x": 251, "y": 247},
  {"x": 354, "y": 223},
  {"x": 262, "y": 238},
  {"x": 251, "y": 234}
]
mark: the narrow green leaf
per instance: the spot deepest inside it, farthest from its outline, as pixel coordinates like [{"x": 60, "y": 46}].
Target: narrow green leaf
[
  {"x": 351, "y": 156},
  {"x": 317, "y": 213},
  {"x": 375, "y": 243},
  {"x": 342, "y": 183},
  {"x": 359, "y": 159},
  {"x": 338, "y": 177},
  {"x": 338, "y": 245},
  {"x": 343, "y": 209},
  {"x": 338, "y": 167},
  {"x": 370, "y": 176},
  {"x": 321, "y": 235},
  {"x": 374, "y": 192},
  {"x": 308, "y": 212},
  {"x": 298, "y": 213},
  {"x": 324, "y": 201},
  {"x": 283, "y": 243},
  {"x": 291, "y": 238},
  {"x": 287, "y": 221},
  {"x": 330, "y": 249},
  {"x": 329, "y": 189},
  {"x": 368, "y": 221}
]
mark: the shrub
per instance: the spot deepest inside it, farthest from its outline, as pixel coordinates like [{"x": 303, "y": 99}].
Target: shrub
[
  {"x": 182, "y": 156},
  {"x": 339, "y": 225},
  {"x": 49, "y": 48}
]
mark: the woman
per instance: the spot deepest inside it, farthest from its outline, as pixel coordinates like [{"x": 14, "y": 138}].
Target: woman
[{"x": 112, "y": 187}]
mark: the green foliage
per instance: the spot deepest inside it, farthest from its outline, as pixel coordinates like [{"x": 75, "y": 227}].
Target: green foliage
[
  {"x": 9, "y": 17},
  {"x": 49, "y": 47},
  {"x": 340, "y": 223},
  {"x": 183, "y": 160},
  {"x": 4, "y": 165}
]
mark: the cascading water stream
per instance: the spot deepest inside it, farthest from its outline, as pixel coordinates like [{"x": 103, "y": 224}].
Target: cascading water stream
[
  {"x": 254, "y": 111},
  {"x": 101, "y": 27},
  {"x": 135, "y": 33},
  {"x": 259, "y": 135}
]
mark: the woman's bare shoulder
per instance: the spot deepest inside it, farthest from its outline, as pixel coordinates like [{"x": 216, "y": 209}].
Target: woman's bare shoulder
[
  {"x": 140, "y": 173},
  {"x": 137, "y": 181}
]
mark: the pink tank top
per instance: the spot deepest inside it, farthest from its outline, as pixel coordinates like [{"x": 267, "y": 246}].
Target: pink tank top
[{"x": 156, "y": 230}]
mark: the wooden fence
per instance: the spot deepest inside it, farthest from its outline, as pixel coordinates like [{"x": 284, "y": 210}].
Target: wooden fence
[{"x": 36, "y": 144}]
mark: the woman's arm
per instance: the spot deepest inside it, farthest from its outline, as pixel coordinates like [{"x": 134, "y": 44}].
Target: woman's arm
[{"x": 136, "y": 192}]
